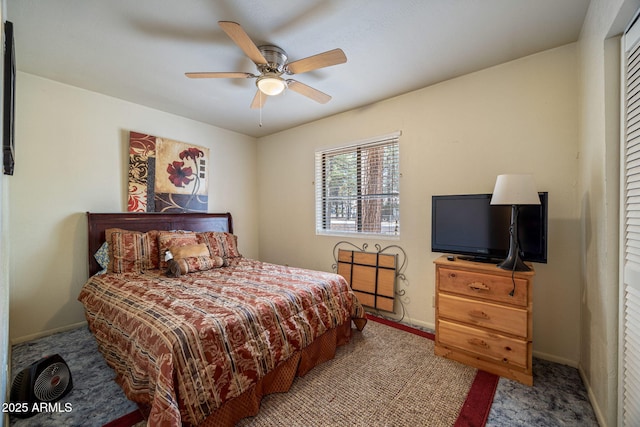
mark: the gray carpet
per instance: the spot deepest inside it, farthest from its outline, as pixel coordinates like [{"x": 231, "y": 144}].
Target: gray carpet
[
  {"x": 558, "y": 397},
  {"x": 95, "y": 398}
]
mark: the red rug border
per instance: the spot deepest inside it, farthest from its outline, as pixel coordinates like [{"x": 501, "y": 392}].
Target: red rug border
[
  {"x": 402, "y": 326},
  {"x": 126, "y": 420},
  {"x": 476, "y": 407},
  {"x": 474, "y": 411}
]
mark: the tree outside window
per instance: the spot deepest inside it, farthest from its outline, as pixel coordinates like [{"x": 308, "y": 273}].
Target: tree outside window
[{"x": 357, "y": 189}]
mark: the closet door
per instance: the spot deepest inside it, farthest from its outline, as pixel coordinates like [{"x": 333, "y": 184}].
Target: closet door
[{"x": 629, "y": 343}]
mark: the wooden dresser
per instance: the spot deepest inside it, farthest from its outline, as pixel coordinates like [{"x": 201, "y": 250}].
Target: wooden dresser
[{"x": 479, "y": 323}]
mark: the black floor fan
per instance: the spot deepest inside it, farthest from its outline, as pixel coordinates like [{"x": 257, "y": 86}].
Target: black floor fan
[{"x": 46, "y": 380}]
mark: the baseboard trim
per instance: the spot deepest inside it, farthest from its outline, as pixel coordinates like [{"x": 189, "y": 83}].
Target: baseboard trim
[
  {"x": 555, "y": 359},
  {"x": 594, "y": 404},
  {"x": 48, "y": 332}
]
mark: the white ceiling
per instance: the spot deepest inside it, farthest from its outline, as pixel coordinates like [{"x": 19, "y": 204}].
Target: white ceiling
[{"x": 139, "y": 50}]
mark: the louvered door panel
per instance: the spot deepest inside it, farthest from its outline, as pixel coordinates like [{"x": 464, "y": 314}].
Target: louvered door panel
[{"x": 630, "y": 285}]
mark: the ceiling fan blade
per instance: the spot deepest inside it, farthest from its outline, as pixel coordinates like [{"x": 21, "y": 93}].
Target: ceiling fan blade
[
  {"x": 308, "y": 91},
  {"x": 244, "y": 42},
  {"x": 321, "y": 60},
  {"x": 258, "y": 100},
  {"x": 222, "y": 75}
]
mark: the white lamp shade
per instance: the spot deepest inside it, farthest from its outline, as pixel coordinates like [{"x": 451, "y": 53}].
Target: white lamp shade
[
  {"x": 515, "y": 189},
  {"x": 271, "y": 85}
]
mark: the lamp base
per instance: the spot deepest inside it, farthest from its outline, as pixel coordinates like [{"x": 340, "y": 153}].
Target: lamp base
[{"x": 514, "y": 264}]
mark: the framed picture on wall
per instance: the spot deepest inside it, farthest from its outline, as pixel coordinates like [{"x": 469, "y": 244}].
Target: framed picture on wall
[{"x": 167, "y": 175}]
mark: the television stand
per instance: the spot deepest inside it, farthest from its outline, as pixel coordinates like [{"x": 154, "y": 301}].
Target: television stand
[{"x": 484, "y": 317}]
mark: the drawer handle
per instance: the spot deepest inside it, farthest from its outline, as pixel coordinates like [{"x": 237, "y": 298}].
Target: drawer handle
[
  {"x": 478, "y": 286},
  {"x": 479, "y": 314},
  {"x": 478, "y": 342}
]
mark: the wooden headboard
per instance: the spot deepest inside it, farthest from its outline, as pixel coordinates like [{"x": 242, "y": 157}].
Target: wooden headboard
[{"x": 138, "y": 221}]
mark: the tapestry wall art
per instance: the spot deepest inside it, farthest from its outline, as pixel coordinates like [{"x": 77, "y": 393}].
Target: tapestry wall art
[{"x": 166, "y": 175}]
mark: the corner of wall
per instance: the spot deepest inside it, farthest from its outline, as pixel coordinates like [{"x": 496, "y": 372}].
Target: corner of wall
[{"x": 599, "y": 191}]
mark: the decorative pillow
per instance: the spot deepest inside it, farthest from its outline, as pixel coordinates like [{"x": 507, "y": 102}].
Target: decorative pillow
[
  {"x": 179, "y": 266},
  {"x": 187, "y": 251},
  {"x": 132, "y": 251},
  {"x": 172, "y": 239},
  {"x": 102, "y": 257},
  {"x": 220, "y": 243}
]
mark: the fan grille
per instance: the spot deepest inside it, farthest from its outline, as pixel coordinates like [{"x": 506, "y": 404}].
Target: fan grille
[
  {"x": 52, "y": 382},
  {"x": 15, "y": 387}
]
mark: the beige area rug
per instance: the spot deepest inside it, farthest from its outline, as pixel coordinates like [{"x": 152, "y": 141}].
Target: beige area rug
[{"x": 383, "y": 377}]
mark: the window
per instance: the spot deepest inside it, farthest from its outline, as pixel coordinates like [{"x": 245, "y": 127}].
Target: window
[{"x": 357, "y": 188}]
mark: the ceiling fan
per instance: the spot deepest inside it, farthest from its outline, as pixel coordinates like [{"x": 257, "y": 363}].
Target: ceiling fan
[{"x": 272, "y": 65}]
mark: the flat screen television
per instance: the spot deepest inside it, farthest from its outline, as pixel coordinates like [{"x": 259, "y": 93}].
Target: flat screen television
[{"x": 469, "y": 225}]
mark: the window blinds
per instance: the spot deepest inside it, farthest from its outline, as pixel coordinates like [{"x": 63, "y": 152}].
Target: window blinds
[{"x": 357, "y": 188}]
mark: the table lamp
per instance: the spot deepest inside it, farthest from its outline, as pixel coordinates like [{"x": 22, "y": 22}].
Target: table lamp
[{"x": 514, "y": 190}]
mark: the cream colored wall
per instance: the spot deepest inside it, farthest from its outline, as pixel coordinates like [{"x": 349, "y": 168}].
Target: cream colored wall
[
  {"x": 457, "y": 136},
  {"x": 599, "y": 64},
  {"x": 71, "y": 158}
]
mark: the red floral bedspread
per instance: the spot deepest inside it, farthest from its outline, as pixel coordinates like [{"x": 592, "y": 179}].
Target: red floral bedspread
[{"x": 184, "y": 346}]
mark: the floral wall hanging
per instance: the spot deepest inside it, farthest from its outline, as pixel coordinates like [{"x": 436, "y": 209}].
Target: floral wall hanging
[{"x": 166, "y": 175}]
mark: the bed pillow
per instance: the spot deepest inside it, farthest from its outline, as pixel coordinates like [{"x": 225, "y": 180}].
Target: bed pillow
[
  {"x": 102, "y": 257},
  {"x": 220, "y": 243},
  {"x": 187, "y": 251},
  {"x": 132, "y": 251},
  {"x": 179, "y": 266},
  {"x": 172, "y": 239}
]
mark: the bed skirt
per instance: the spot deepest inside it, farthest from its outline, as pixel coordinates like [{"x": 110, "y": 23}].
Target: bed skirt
[{"x": 281, "y": 378}]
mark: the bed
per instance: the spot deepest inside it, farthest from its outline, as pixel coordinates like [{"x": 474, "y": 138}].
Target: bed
[{"x": 203, "y": 348}]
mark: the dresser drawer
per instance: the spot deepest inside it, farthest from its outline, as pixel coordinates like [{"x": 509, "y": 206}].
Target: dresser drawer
[
  {"x": 494, "y": 347},
  {"x": 480, "y": 285},
  {"x": 511, "y": 320}
]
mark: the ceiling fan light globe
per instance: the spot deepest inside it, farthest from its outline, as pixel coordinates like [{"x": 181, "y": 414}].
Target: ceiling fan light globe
[{"x": 271, "y": 85}]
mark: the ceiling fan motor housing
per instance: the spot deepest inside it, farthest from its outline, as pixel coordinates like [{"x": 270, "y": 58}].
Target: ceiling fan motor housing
[{"x": 276, "y": 59}]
